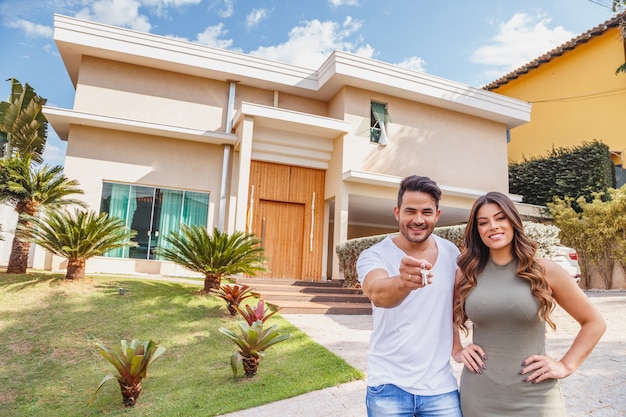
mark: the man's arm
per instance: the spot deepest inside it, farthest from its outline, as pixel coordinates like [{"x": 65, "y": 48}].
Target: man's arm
[{"x": 386, "y": 291}]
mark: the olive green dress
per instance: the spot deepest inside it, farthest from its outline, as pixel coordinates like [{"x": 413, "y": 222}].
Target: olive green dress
[{"x": 506, "y": 325}]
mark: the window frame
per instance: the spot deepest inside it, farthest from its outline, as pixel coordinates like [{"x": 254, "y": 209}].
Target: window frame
[
  {"x": 378, "y": 111},
  {"x": 160, "y": 217}
]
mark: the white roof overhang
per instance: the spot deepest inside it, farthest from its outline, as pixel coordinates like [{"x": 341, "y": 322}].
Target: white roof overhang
[
  {"x": 63, "y": 119},
  {"x": 76, "y": 38}
]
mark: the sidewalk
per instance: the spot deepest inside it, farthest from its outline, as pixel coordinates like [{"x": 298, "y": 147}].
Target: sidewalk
[{"x": 596, "y": 388}]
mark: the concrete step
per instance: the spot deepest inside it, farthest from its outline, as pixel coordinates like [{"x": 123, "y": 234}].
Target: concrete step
[
  {"x": 278, "y": 294},
  {"x": 309, "y": 297},
  {"x": 309, "y": 307}
]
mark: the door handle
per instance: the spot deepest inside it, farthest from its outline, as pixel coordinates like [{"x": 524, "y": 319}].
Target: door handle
[{"x": 263, "y": 232}]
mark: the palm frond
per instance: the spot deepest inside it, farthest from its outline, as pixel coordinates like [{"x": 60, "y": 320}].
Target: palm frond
[
  {"x": 78, "y": 235},
  {"x": 220, "y": 254}
]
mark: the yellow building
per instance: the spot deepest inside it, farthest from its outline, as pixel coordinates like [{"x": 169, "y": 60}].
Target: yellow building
[{"x": 576, "y": 96}]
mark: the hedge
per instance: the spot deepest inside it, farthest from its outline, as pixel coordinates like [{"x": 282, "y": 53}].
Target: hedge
[{"x": 546, "y": 236}]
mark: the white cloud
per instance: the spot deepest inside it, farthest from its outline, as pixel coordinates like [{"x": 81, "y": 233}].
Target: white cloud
[
  {"x": 54, "y": 151},
  {"x": 310, "y": 44},
  {"x": 159, "y": 6},
  {"x": 337, "y": 3},
  {"x": 118, "y": 13},
  {"x": 519, "y": 41},
  {"x": 169, "y": 3},
  {"x": 255, "y": 17},
  {"x": 211, "y": 35},
  {"x": 31, "y": 29},
  {"x": 229, "y": 6},
  {"x": 413, "y": 63}
]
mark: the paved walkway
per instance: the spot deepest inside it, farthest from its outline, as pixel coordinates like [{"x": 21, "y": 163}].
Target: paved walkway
[{"x": 598, "y": 388}]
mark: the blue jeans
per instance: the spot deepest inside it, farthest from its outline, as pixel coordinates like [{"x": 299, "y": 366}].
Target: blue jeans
[{"x": 390, "y": 401}]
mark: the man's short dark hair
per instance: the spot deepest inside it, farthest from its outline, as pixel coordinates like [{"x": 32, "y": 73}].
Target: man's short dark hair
[{"x": 421, "y": 184}]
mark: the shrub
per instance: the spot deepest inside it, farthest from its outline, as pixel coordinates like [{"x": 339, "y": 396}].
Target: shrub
[
  {"x": 252, "y": 314},
  {"x": 131, "y": 362},
  {"x": 546, "y": 236},
  {"x": 598, "y": 231},
  {"x": 559, "y": 173},
  {"x": 233, "y": 295},
  {"x": 253, "y": 341}
]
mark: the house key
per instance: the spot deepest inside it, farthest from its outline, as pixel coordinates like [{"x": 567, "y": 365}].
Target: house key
[{"x": 424, "y": 272}]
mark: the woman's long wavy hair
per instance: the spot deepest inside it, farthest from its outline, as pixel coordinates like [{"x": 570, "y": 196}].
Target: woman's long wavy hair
[{"x": 475, "y": 256}]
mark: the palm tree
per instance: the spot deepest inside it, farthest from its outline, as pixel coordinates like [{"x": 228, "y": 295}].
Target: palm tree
[
  {"x": 29, "y": 190},
  {"x": 214, "y": 256},
  {"x": 78, "y": 236},
  {"x": 23, "y": 127}
]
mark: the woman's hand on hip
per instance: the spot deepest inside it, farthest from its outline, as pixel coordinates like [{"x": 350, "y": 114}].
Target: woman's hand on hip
[{"x": 473, "y": 357}]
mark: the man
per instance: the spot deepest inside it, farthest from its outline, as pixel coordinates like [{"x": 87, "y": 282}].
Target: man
[{"x": 409, "y": 278}]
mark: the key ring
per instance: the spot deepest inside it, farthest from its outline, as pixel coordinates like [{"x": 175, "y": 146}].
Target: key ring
[{"x": 424, "y": 272}]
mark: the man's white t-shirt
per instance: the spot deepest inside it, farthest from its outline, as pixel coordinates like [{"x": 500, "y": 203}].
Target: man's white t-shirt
[{"x": 411, "y": 344}]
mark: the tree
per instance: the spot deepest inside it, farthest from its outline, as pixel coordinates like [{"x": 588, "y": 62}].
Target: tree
[
  {"x": 597, "y": 231},
  {"x": 29, "y": 190},
  {"x": 618, "y": 5},
  {"x": 214, "y": 255},
  {"x": 78, "y": 236},
  {"x": 23, "y": 127}
]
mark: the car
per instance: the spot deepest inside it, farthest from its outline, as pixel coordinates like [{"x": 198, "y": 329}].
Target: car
[{"x": 568, "y": 258}]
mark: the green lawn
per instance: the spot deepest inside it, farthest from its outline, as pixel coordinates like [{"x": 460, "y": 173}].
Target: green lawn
[{"x": 50, "y": 366}]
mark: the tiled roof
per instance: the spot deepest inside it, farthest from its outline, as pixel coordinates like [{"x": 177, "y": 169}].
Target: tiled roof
[{"x": 558, "y": 51}]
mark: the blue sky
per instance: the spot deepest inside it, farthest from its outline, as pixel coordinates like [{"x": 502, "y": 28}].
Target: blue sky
[{"x": 472, "y": 42}]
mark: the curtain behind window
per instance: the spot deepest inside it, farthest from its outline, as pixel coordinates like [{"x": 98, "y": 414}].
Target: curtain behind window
[
  {"x": 170, "y": 218},
  {"x": 152, "y": 213},
  {"x": 379, "y": 117},
  {"x": 380, "y": 112},
  {"x": 195, "y": 209},
  {"x": 118, "y": 207}
]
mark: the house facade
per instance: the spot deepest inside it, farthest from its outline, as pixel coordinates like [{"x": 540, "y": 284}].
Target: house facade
[
  {"x": 576, "y": 96},
  {"x": 164, "y": 132}
]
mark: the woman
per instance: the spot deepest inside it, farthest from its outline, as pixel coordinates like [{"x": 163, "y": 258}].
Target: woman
[{"x": 508, "y": 294}]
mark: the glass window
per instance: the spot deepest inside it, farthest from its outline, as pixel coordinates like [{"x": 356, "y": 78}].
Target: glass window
[
  {"x": 378, "y": 116},
  {"x": 153, "y": 213},
  {"x": 620, "y": 176}
]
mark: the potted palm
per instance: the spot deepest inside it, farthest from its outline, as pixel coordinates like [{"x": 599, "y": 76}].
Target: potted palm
[{"x": 131, "y": 361}]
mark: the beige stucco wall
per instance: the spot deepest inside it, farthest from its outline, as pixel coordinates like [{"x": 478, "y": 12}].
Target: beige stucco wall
[
  {"x": 275, "y": 98},
  {"x": 305, "y": 105},
  {"x": 139, "y": 93},
  {"x": 97, "y": 155},
  {"x": 452, "y": 148}
]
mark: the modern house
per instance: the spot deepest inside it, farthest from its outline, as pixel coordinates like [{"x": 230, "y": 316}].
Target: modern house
[
  {"x": 576, "y": 96},
  {"x": 164, "y": 132}
]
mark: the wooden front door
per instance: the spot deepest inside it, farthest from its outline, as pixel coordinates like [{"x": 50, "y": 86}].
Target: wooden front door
[
  {"x": 287, "y": 214},
  {"x": 282, "y": 239}
]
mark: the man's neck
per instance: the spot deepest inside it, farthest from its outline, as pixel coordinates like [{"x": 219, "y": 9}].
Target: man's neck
[{"x": 414, "y": 249}]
